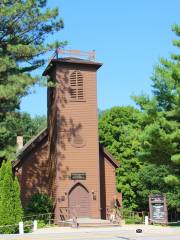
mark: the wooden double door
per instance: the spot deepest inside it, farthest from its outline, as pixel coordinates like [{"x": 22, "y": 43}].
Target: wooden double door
[{"x": 79, "y": 202}]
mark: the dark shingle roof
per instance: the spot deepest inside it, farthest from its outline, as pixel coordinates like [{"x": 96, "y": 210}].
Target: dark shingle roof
[{"x": 70, "y": 60}]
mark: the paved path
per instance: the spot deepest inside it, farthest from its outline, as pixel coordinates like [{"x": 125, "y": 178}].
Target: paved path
[{"x": 116, "y": 233}]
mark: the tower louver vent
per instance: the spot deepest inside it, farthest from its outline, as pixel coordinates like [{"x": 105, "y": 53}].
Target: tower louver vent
[{"x": 76, "y": 86}]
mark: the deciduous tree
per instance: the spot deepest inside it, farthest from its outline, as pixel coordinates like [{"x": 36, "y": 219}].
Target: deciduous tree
[{"x": 119, "y": 130}]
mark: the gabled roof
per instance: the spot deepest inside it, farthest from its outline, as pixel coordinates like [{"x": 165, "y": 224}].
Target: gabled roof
[
  {"x": 33, "y": 143},
  {"x": 70, "y": 60},
  {"x": 109, "y": 156}
]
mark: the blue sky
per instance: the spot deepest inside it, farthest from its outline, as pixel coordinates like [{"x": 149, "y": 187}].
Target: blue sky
[{"x": 129, "y": 36}]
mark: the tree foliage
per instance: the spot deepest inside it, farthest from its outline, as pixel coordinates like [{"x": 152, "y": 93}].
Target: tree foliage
[
  {"x": 25, "y": 26},
  {"x": 119, "y": 129},
  {"x": 18, "y": 124},
  {"x": 40, "y": 203},
  {"x": 147, "y": 142},
  {"x": 11, "y": 211},
  {"x": 161, "y": 136},
  {"x": 151, "y": 180}
]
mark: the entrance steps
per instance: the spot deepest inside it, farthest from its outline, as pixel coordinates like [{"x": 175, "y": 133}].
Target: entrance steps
[{"x": 89, "y": 222}]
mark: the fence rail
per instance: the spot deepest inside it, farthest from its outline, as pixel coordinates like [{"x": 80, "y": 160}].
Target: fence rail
[
  {"x": 29, "y": 223},
  {"x": 37, "y": 216}
]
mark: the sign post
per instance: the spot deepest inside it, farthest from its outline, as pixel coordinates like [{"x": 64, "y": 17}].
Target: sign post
[{"x": 158, "y": 209}]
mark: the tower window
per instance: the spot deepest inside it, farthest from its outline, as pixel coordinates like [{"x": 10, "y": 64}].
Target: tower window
[{"x": 76, "y": 86}]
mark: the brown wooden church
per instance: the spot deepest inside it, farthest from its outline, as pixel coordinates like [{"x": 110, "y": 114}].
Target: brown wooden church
[{"x": 66, "y": 160}]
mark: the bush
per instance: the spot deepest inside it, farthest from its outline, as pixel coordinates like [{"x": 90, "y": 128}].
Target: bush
[
  {"x": 129, "y": 221},
  {"x": 9, "y": 229},
  {"x": 40, "y": 203},
  {"x": 41, "y": 224},
  {"x": 28, "y": 226},
  {"x": 134, "y": 220}
]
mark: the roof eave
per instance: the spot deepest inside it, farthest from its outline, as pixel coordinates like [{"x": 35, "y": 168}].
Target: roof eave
[
  {"x": 29, "y": 146},
  {"x": 52, "y": 63},
  {"x": 111, "y": 158}
]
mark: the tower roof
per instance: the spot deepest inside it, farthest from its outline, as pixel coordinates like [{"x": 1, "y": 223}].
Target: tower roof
[{"x": 70, "y": 60}]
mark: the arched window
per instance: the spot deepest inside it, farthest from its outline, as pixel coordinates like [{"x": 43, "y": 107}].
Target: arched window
[{"x": 76, "y": 86}]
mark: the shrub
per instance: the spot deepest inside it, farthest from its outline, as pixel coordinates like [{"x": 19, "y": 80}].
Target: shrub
[
  {"x": 134, "y": 220},
  {"x": 11, "y": 211},
  {"x": 41, "y": 224},
  {"x": 40, "y": 203},
  {"x": 28, "y": 226}
]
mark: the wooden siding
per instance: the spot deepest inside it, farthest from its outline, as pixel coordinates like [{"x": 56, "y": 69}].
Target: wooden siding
[
  {"x": 33, "y": 172},
  {"x": 72, "y": 146},
  {"x": 108, "y": 183},
  {"x": 77, "y": 118}
]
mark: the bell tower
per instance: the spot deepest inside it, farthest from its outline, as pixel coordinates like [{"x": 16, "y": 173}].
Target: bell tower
[{"x": 73, "y": 137}]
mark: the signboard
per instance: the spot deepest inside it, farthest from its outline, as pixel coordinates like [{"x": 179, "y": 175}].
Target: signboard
[
  {"x": 158, "y": 208},
  {"x": 158, "y": 211},
  {"x": 78, "y": 176}
]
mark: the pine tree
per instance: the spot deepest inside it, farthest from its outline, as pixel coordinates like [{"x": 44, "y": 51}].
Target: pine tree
[
  {"x": 11, "y": 211},
  {"x": 161, "y": 135},
  {"x": 25, "y": 26}
]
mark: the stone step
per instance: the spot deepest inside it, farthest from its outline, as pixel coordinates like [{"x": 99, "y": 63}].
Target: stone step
[
  {"x": 88, "y": 222},
  {"x": 99, "y": 225}
]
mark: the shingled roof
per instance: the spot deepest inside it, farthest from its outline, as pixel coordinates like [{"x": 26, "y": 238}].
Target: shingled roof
[{"x": 70, "y": 60}]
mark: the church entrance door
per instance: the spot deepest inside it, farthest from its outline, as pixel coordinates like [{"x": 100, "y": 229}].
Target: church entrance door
[{"x": 79, "y": 203}]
